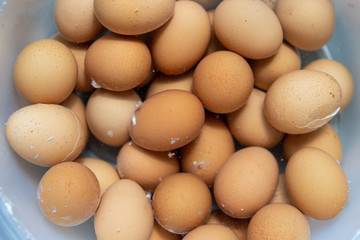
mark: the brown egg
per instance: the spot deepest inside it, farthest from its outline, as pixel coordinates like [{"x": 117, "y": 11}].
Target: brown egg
[
  {"x": 340, "y": 73},
  {"x": 211, "y": 232},
  {"x": 208, "y": 4},
  {"x": 248, "y": 27},
  {"x": 181, "y": 203},
  {"x": 324, "y": 138},
  {"x": 246, "y": 182},
  {"x": 159, "y": 233},
  {"x": 105, "y": 173},
  {"x": 167, "y": 120},
  {"x": 146, "y": 167},
  {"x": 205, "y": 155},
  {"x": 164, "y": 82},
  {"x": 75, "y": 20},
  {"x": 249, "y": 125},
  {"x": 312, "y": 99},
  {"x": 117, "y": 63},
  {"x": 45, "y": 71},
  {"x": 68, "y": 194},
  {"x": 278, "y": 221},
  {"x": 214, "y": 44},
  {"x": 46, "y": 134},
  {"x": 267, "y": 70},
  {"x": 281, "y": 195},
  {"x": 133, "y": 17},
  {"x": 109, "y": 114},
  {"x": 178, "y": 45},
  {"x": 151, "y": 75},
  {"x": 223, "y": 81},
  {"x": 124, "y": 213},
  {"x": 239, "y": 226},
  {"x": 307, "y": 24},
  {"x": 316, "y": 184}
]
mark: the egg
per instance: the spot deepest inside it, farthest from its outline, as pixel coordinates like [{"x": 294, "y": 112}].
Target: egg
[
  {"x": 147, "y": 168},
  {"x": 68, "y": 194},
  {"x": 205, "y": 155},
  {"x": 181, "y": 202},
  {"x": 246, "y": 182},
  {"x": 109, "y": 114},
  {"x": 223, "y": 81},
  {"x": 117, "y": 63},
  {"x": 124, "y": 213},
  {"x": 45, "y": 71},
  {"x": 159, "y": 233},
  {"x": 278, "y": 221},
  {"x": 312, "y": 99},
  {"x": 281, "y": 195},
  {"x": 249, "y": 125},
  {"x": 167, "y": 120},
  {"x": 46, "y": 134},
  {"x": 249, "y": 28},
  {"x": 316, "y": 183},
  {"x": 308, "y": 24},
  {"x": 180, "y": 43},
  {"x": 211, "y": 232}
]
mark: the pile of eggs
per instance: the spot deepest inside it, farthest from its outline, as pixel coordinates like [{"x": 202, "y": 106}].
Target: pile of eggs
[{"x": 196, "y": 95}]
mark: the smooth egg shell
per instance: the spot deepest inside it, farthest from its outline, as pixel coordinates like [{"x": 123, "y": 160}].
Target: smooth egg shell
[{"x": 211, "y": 232}]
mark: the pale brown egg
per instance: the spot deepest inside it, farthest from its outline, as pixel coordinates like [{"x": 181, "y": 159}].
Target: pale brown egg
[
  {"x": 307, "y": 24},
  {"x": 181, "y": 202},
  {"x": 246, "y": 182},
  {"x": 340, "y": 73},
  {"x": 167, "y": 120},
  {"x": 205, "y": 155},
  {"x": 68, "y": 194},
  {"x": 278, "y": 221},
  {"x": 211, "y": 232},
  {"x": 159, "y": 233},
  {"x": 105, "y": 173},
  {"x": 46, "y": 134},
  {"x": 117, "y": 63},
  {"x": 249, "y": 125},
  {"x": 248, "y": 27},
  {"x": 267, "y": 70},
  {"x": 124, "y": 213},
  {"x": 312, "y": 99},
  {"x": 75, "y": 20},
  {"x": 178, "y": 45},
  {"x": 223, "y": 81},
  {"x": 147, "y": 168},
  {"x": 133, "y": 17},
  {"x": 109, "y": 114},
  {"x": 281, "y": 195},
  {"x": 316, "y": 183},
  {"x": 324, "y": 138},
  {"x": 45, "y": 71},
  {"x": 214, "y": 44}
]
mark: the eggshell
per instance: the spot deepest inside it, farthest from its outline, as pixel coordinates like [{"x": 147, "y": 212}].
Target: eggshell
[
  {"x": 308, "y": 24},
  {"x": 239, "y": 226},
  {"x": 278, "y": 221},
  {"x": 267, "y": 70},
  {"x": 105, "y": 173},
  {"x": 181, "y": 203},
  {"x": 248, "y": 27},
  {"x": 180, "y": 43},
  {"x": 75, "y": 20},
  {"x": 68, "y": 194},
  {"x": 45, "y": 71},
  {"x": 249, "y": 125},
  {"x": 312, "y": 99},
  {"x": 324, "y": 138},
  {"x": 124, "y": 213},
  {"x": 167, "y": 120},
  {"x": 316, "y": 184},
  {"x": 205, "y": 155},
  {"x": 340, "y": 73},
  {"x": 133, "y": 17},
  {"x": 223, "y": 81},
  {"x": 159, "y": 233},
  {"x": 109, "y": 114},
  {"x": 146, "y": 167},
  {"x": 46, "y": 134},
  {"x": 214, "y": 44},
  {"x": 211, "y": 232},
  {"x": 246, "y": 182},
  {"x": 117, "y": 63},
  {"x": 281, "y": 195}
]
